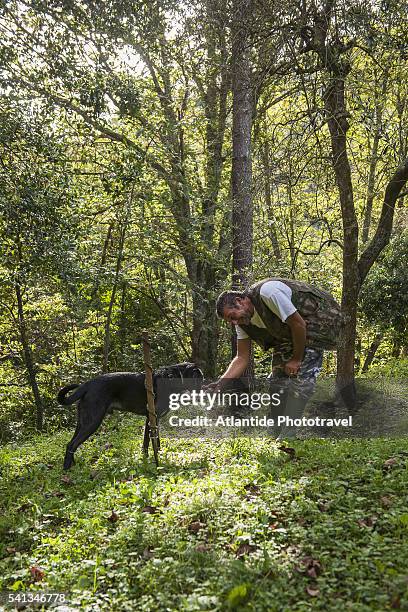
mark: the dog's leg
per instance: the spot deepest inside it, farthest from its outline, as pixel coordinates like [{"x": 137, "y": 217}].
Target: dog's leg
[
  {"x": 69, "y": 456},
  {"x": 87, "y": 425},
  {"x": 146, "y": 438}
]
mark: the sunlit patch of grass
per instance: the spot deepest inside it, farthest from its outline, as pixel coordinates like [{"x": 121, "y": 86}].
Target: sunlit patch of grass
[{"x": 232, "y": 524}]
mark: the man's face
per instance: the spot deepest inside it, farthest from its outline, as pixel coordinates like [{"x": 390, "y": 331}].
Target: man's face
[{"x": 240, "y": 313}]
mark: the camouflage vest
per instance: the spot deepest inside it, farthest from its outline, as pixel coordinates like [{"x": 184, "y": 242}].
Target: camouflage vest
[{"x": 318, "y": 308}]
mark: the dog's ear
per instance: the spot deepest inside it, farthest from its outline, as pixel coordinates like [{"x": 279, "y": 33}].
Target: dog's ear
[
  {"x": 181, "y": 370},
  {"x": 191, "y": 370},
  {"x": 173, "y": 371}
]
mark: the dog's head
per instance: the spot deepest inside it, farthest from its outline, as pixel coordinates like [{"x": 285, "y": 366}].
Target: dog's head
[
  {"x": 175, "y": 379},
  {"x": 180, "y": 371}
]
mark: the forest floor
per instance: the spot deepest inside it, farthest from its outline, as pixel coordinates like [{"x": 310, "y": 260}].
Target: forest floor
[{"x": 234, "y": 524}]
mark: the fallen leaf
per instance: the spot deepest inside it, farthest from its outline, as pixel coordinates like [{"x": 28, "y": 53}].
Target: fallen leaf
[
  {"x": 150, "y": 509},
  {"x": 292, "y": 550},
  {"x": 24, "y": 507},
  {"x": 312, "y": 567},
  {"x": 245, "y": 549},
  {"x": 288, "y": 450},
  {"x": 386, "y": 501},
  {"x": 147, "y": 553},
  {"x": 66, "y": 479},
  {"x": 113, "y": 517},
  {"x": 11, "y": 550},
  {"x": 252, "y": 488},
  {"x": 202, "y": 548},
  {"x": 196, "y": 526},
  {"x": 369, "y": 521},
  {"x": 389, "y": 463},
  {"x": 273, "y": 525},
  {"x": 312, "y": 591},
  {"x": 37, "y": 573}
]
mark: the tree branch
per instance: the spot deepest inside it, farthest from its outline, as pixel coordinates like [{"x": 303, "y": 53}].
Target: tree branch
[
  {"x": 384, "y": 227},
  {"x": 68, "y": 105}
]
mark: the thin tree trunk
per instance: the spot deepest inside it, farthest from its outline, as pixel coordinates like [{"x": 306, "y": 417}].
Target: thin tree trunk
[
  {"x": 123, "y": 326},
  {"x": 374, "y": 159},
  {"x": 119, "y": 260},
  {"x": 29, "y": 360},
  {"x": 396, "y": 349},
  {"x": 372, "y": 351},
  {"x": 268, "y": 201},
  {"x": 384, "y": 228},
  {"x": 74, "y": 340},
  {"x": 370, "y": 186},
  {"x": 103, "y": 258}
]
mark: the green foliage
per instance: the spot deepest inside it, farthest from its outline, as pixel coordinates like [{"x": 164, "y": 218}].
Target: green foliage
[
  {"x": 115, "y": 208},
  {"x": 36, "y": 203},
  {"x": 384, "y": 296},
  {"x": 238, "y": 525},
  {"x": 394, "y": 368}
]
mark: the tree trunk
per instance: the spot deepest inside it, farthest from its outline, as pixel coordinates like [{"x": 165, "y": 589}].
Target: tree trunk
[
  {"x": 105, "y": 249},
  {"x": 241, "y": 183},
  {"x": 209, "y": 274},
  {"x": 396, "y": 349},
  {"x": 334, "y": 58},
  {"x": 29, "y": 360},
  {"x": 241, "y": 176},
  {"x": 204, "y": 340},
  {"x": 335, "y": 105},
  {"x": 384, "y": 228},
  {"x": 123, "y": 325},
  {"x": 372, "y": 351}
]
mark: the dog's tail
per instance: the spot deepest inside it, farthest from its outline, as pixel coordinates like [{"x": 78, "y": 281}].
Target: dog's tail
[{"x": 66, "y": 401}]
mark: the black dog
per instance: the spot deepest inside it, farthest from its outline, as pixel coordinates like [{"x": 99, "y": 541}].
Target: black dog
[{"x": 117, "y": 391}]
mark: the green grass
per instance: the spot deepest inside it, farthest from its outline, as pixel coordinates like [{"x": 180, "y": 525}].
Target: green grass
[{"x": 234, "y": 524}]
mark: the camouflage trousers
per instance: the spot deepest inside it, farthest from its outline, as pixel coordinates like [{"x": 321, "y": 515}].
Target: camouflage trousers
[{"x": 304, "y": 383}]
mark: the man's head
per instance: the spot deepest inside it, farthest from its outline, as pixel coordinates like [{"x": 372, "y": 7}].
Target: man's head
[{"x": 235, "y": 307}]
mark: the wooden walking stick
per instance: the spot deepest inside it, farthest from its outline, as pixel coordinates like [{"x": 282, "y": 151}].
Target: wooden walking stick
[{"x": 151, "y": 428}]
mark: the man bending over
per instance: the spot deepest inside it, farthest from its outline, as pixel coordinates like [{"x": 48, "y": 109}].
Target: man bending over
[{"x": 294, "y": 318}]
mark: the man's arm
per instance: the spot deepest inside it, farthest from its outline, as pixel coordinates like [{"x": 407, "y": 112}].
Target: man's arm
[
  {"x": 239, "y": 364},
  {"x": 298, "y": 330}
]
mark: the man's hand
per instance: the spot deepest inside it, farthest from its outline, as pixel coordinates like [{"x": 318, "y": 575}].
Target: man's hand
[
  {"x": 292, "y": 367},
  {"x": 211, "y": 387}
]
